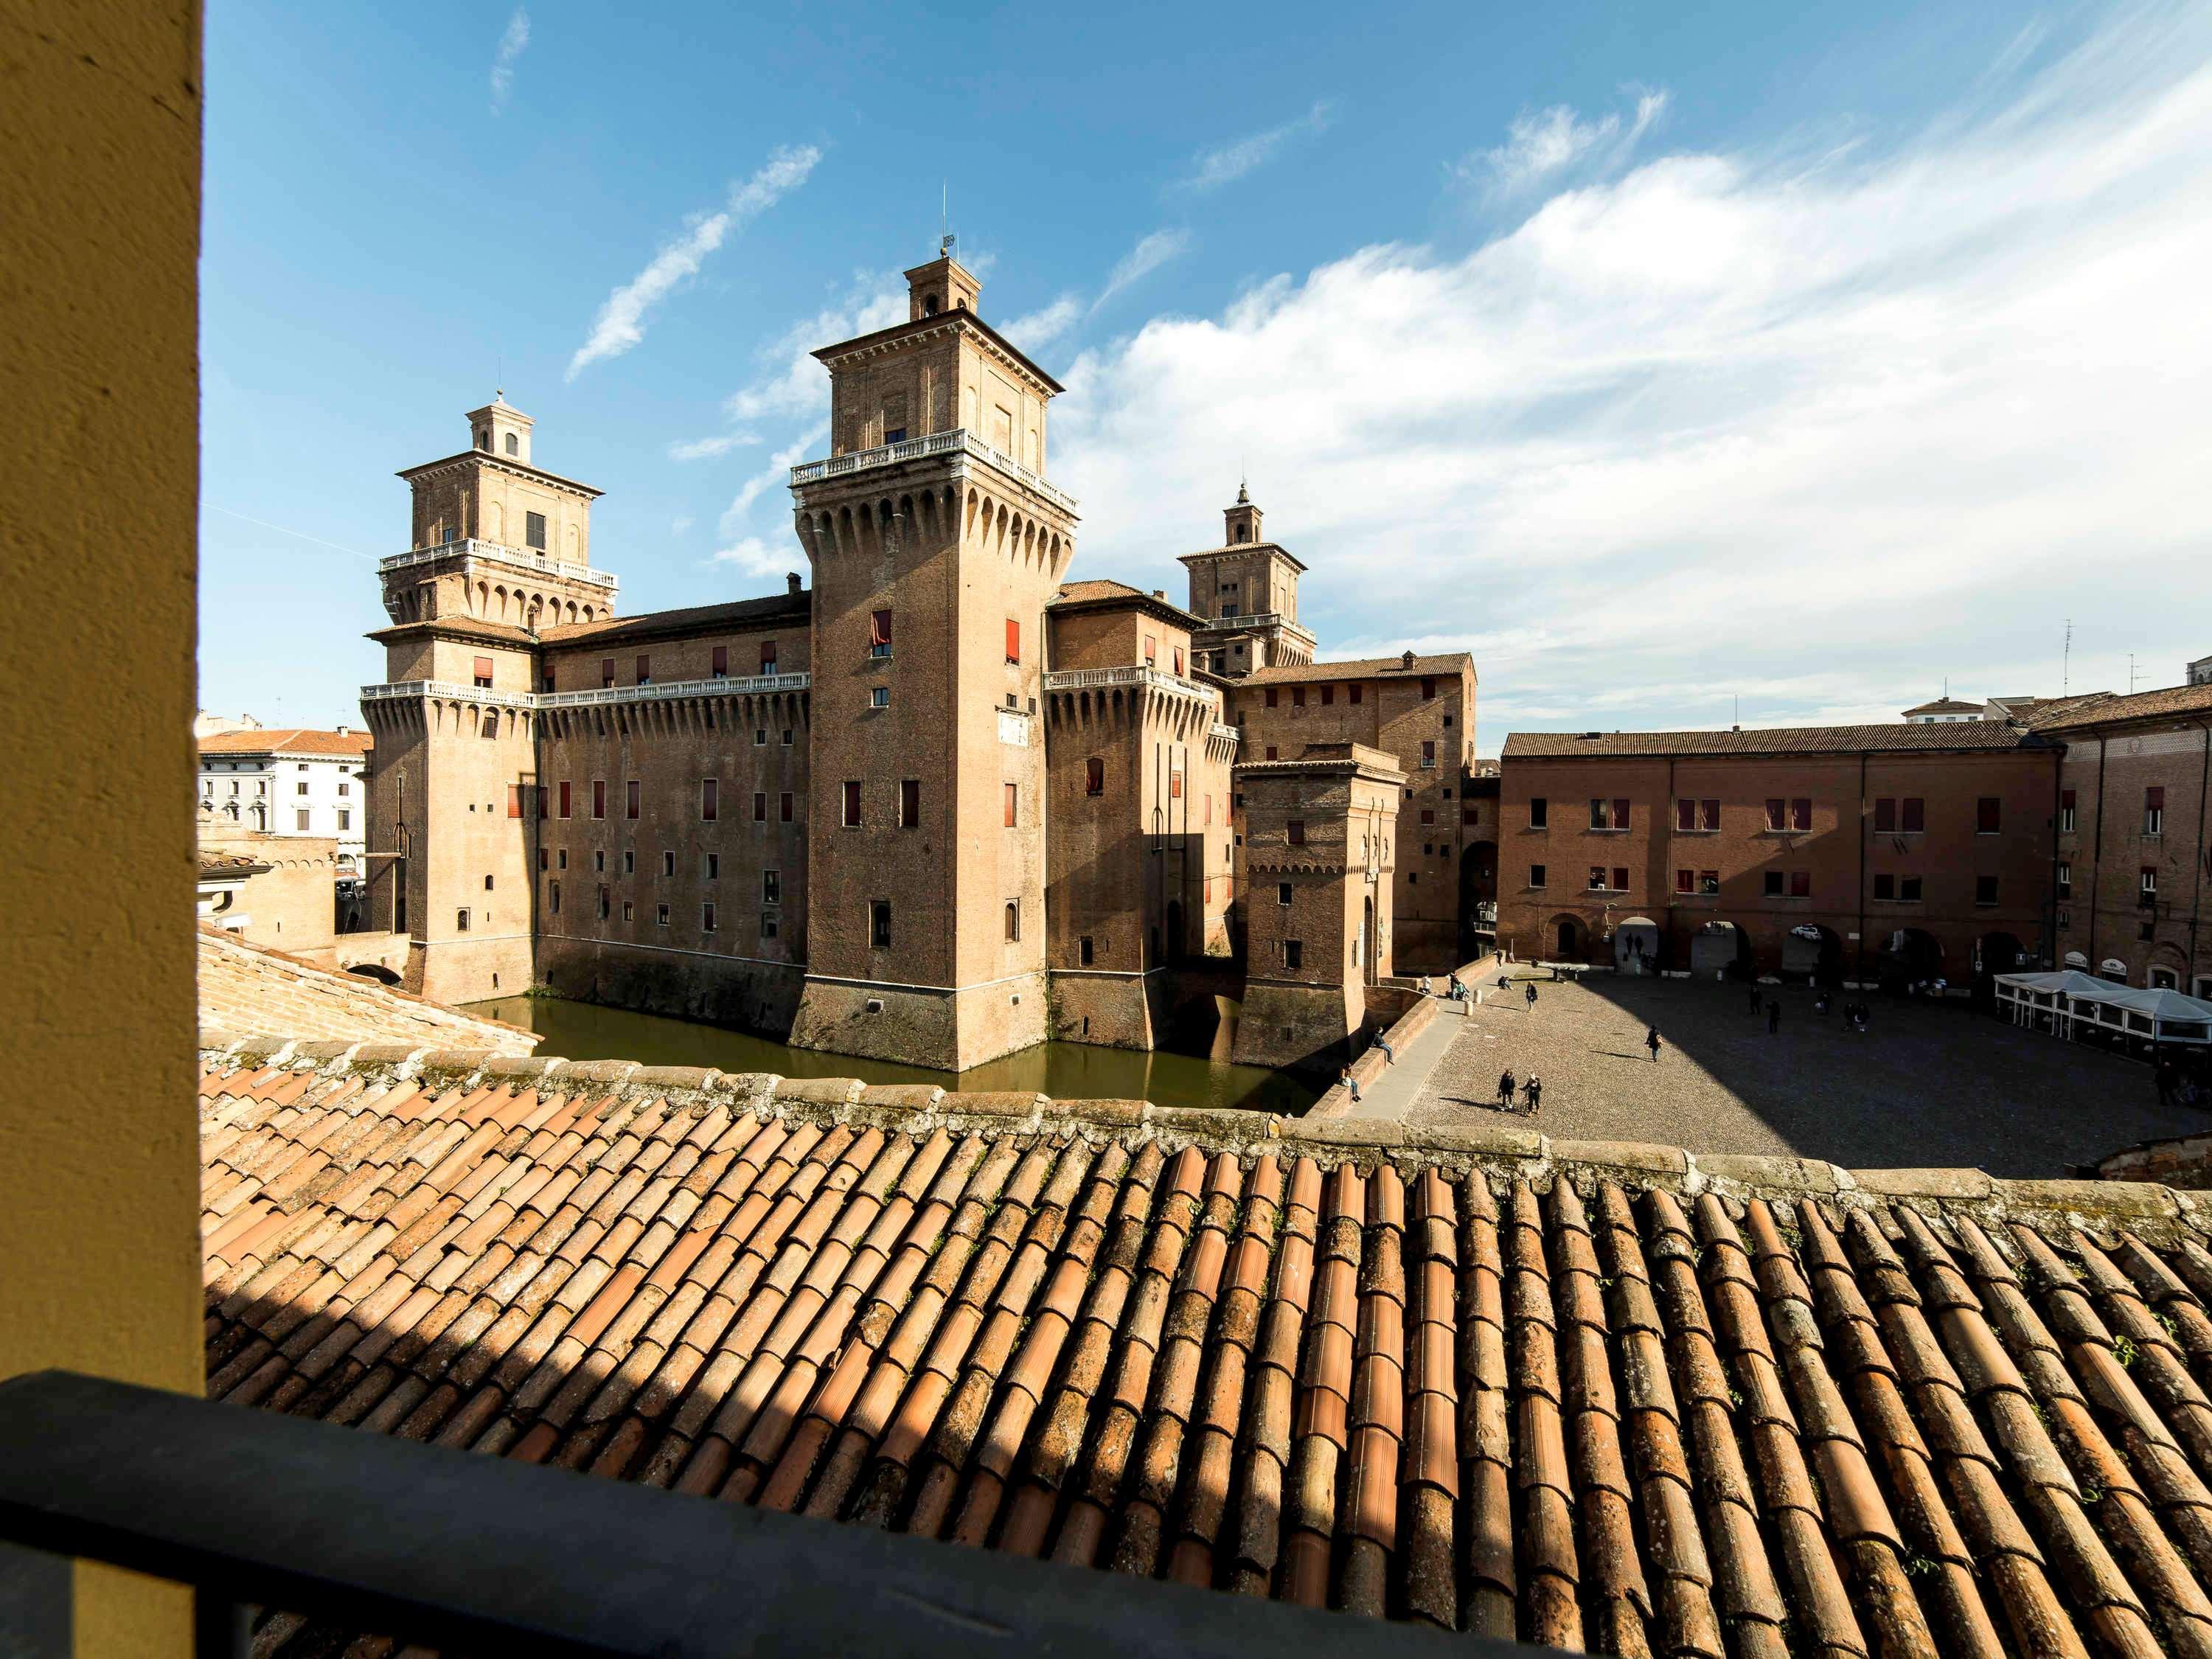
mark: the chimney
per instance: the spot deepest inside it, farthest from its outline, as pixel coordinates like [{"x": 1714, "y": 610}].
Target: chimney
[
  {"x": 343, "y": 730},
  {"x": 1159, "y": 592},
  {"x": 791, "y": 583},
  {"x": 1408, "y": 660}
]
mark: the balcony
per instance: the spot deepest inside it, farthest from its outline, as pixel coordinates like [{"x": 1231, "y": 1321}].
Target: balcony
[
  {"x": 1079, "y": 679},
  {"x": 674, "y": 690},
  {"x": 522, "y": 558},
  {"x": 959, "y": 441},
  {"x": 368, "y": 1532}
]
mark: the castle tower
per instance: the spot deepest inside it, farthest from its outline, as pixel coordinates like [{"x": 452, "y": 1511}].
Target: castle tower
[
  {"x": 936, "y": 542},
  {"x": 500, "y": 550},
  {"x": 1247, "y": 589}
]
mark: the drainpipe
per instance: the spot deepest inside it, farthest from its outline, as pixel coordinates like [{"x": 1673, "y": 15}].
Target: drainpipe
[
  {"x": 1865, "y": 829},
  {"x": 2097, "y": 857},
  {"x": 2050, "y": 887},
  {"x": 2196, "y": 899}
]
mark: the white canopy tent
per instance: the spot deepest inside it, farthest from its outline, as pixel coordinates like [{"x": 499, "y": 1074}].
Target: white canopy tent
[{"x": 2071, "y": 1003}]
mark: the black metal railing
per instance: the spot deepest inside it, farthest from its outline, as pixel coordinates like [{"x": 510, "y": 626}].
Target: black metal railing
[{"x": 257, "y": 1510}]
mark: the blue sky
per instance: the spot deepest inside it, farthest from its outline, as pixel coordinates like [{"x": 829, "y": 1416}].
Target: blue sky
[{"x": 1660, "y": 358}]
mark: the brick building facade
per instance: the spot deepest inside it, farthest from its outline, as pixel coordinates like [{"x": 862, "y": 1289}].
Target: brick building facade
[{"x": 939, "y": 805}]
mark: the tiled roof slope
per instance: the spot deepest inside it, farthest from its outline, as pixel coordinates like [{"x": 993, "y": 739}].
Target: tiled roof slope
[
  {"x": 2109, "y": 707},
  {"x": 1364, "y": 668},
  {"x": 730, "y": 613},
  {"x": 1587, "y": 1394},
  {"x": 1777, "y": 741},
  {"x": 249, "y": 987},
  {"x": 288, "y": 740}
]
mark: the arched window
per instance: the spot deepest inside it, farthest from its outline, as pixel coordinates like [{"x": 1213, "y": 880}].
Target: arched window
[
  {"x": 929, "y": 305},
  {"x": 484, "y": 438},
  {"x": 513, "y": 447}
]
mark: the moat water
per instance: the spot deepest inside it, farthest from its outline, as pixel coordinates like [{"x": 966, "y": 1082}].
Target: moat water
[{"x": 587, "y": 1030}]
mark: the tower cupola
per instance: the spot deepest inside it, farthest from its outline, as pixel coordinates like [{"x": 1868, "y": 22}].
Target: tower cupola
[
  {"x": 943, "y": 284},
  {"x": 1244, "y": 519},
  {"x": 499, "y": 428}
]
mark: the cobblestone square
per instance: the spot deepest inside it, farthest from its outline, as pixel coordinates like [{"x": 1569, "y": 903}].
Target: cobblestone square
[{"x": 1930, "y": 1086}]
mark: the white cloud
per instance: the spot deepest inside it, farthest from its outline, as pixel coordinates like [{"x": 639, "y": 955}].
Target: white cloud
[
  {"x": 743, "y": 546},
  {"x": 701, "y": 449},
  {"x": 1041, "y": 327},
  {"x": 502, "y": 60},
  {"x": 792, "y": 384},
  {"x": 1551, "y": 142},
  {"x": 679, "y": 524},
  {"x": 621, "y": 322},
  {"x": 1141, "y": 261},
  {"x": 1226, "y": 163},
  {"x": 1817, "y": 435}
]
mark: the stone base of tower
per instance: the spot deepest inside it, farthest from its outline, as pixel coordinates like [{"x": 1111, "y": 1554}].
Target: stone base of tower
[
  {"x": 469, "y": 969},
  {"x": 1112, "y": 1011},
  {"x": 945, "y": 1030},
  {"x": 746, "y": 996},
  {"x": 1298, "y": 1028}
]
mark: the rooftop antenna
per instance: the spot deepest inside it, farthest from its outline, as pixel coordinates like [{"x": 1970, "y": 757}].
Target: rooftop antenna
[
  {"x": 944, "y": 237},
  {"x": 2131, "y": 673},
  {"x": 2066, "y": 661}
]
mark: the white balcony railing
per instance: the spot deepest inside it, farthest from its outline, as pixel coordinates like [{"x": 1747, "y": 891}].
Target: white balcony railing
[
  {"x": 522, "y": 558},
  {"x": 959, "y": 440},
  {"x": 673, "y": 690},
  {"x": 1229, "y": 732},
  {"x": 1250, "y": 619},
  {"x": 1077, "y": 680}
]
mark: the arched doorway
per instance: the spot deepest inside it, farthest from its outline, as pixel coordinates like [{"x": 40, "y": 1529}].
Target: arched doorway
[
  {"x": 1567, "y": 940},
  {"x": 1636, "y": 946},
  {"x": 1909, "y": 956},
  {"x": 1812, "y": 953},
  {"x": 1995, "y": 953},
  {"x": 1720, "y": 949}
]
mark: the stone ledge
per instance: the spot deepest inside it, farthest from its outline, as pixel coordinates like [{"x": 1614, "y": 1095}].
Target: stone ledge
[
  {"x": 1760, "y": 1173},
  {"x": 1641, "y": 1156},
  {"x": 1968, "y": 1184}
]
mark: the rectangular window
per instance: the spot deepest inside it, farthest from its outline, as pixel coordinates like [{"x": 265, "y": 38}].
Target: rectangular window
[
  {"x": 484, "y": 673},
  {"x": 1777, "y": 811},
  {"x": 1282, "y": 892},
  {"x": 1094, "y": 776},
  {"x": 644, "y": 668},
  {"x": 1297, "y": 696},
  {"x": 707, "y": 917},
  {"x": 852, "y": 803},
  {"x": 1709, "y": 882},
  {"x": 660, "y": 914},
  {"x": 1013, "y": 639},
  {"x": 1151, "y": 649},
  {"x": 345, "y": 818},
  {"x": 783, "y": 807},
  {"x": 1885, "y": 815},
  {"x": 606, "y": 671},
  {"x": 1428, "y": 815},
  {"x": 768, "y": 657},
  {"x": 1800, "y": 883},
  {"x": 303, "y": 816},
  {"x": 2065, "y": 880},
  {"x": 545, "y": 677},
  {"x": 1885, "y": 887},
  {"x": 1428, "y": 689},
  {"x": 1536, "y": 875},
  {"x": 720, "y": 667},
  {"x": 787, "y": 737},
  {"x": 760, "y": 737},
  {"x": 2146, "y": 886},
  {"x": 1296, "y": 830},
  {"x": 1985, "y": 889},
  {"x": 300, "y": 789},
  {"x": 769, "y": 924},
  {"x": 1685, "y": 814},
  {"x": 533, "y": 530},
  {"x": 879, "y": 696},
  {"x": 1294, "y": 953},
  {"x": 1356, "y": 693},
  {"x": 1083, "y": 951},
  {"x": 1912, "y": 815},
  {"x": 1178, "y": 661},
  {"x": 561, "y": 859},
  {"x": 599, "y": 860},
  {"x": 710, "y": 799},
  {"x": 760, "y": 807},
  {"x": 1771, "y": 884},
  {"x": 1470, "y": 815},
  {"x": 599, "y": 798},
  {"x": 668, "y": 864},
  {"x": 1011, "y": 800},
  {"x": 879, "y": 633},
  {"x": 606, "y": 904},
  {"x": 553, "y": 897},
  {"x": 1686, "y": 881},
  {"x": 1908, "y": 890},
  {"x": 2066, "y": 812},
  {"x": 460, "y": 922},
  {"x": 909, "y": 810},
  {"x": 1175, "y": 785},
  {"x": 1271, "y": 751},
  {"x": 1709, "y": 815},
  {"x": 1597, "y": 878},
  {"x": 1540, "y": 812},
  {"x": 879, "y": 925},
  {"x": 1800, "y": 813},
  {"x": 2153, "y": 810},
  {"x": 1014, "y": 921},
  {"x": 629, "y": 910},
  {"x": 771, "y": 887},
  {"x": 632, "y": 792},
  {"x": 1987, "y": 812},
  {"x": 1619, "y": 878},
  {"x": 1272, "y": 696},
  {"x": 1428, "y": 751},
  {"x": 713, "y": 865}
]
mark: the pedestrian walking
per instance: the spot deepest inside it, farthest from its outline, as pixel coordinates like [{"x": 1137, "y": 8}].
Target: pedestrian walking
[
  {"x": 1651, "y": 1042},
  {"x": 1533, "y": 1092},
  {"x": 1505, "y": 1089},
  {"x": 2163, "y": 1076},
  {"x": 1532, "y": 997},
  {"x": 1774, "y": 1017},
  {"x": 1754, "y": 999}
]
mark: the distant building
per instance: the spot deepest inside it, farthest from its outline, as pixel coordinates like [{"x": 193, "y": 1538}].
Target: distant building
[
  {"x": 291, "y": 781},
  {"x": 1944, "y": 711},
  {"x": 2013, "y": 708},
  {"x": 2200, "y": 671},
  {"x": 207, "y": 725}
]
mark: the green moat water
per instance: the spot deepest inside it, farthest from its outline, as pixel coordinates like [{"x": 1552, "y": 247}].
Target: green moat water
[{"x": 586, "y": 1030}]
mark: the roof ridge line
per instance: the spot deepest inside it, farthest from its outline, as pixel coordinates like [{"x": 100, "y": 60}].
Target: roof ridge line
[{"x": 2152, "y": 1212}]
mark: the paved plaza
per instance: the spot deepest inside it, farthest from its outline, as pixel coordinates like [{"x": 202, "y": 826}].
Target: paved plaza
[{"x": 1927, "y": 1085}]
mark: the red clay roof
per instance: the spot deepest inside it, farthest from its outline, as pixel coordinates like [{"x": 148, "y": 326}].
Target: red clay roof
[
  {"x": 1779, "y": 740},
  {"x": 697, "y": 618},
  {"x": 245, "y": 988},
  {"x": 288, "y": 740},
  {"x": 2100, "y": 707},
  {"x": 1587, "y": 1395},
  {"x": 1364, "y": 668},
  {"x": 1945, "y": 706}
]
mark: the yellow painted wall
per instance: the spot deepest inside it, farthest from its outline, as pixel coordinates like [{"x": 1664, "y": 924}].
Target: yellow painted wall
[{"x": 99, "y": 193}]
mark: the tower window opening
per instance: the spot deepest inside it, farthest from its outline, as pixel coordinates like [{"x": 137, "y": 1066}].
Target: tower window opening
[{"x": 513, "y": 447}]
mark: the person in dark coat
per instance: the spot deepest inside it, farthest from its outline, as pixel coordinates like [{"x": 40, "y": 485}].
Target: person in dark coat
[
  {"x": 1651, "y": 1042},
  {"x": 1532, "y": 996},
  {"x": 1774, "y": 1017},
  {"x": 1532, "y": 1092},
  {"x": 1505, "y": 1091},
  {"x": 1755, "y": 997}
]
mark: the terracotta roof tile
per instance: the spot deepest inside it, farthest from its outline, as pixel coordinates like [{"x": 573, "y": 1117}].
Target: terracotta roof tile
[{"x": 1552, "y": 1407}]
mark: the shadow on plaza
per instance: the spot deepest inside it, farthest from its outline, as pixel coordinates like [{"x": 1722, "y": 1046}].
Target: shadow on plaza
[{"x": 1928, "y": 1085}]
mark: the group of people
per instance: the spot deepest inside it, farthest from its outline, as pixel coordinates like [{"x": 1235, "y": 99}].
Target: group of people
[
  {"x": 1857, "y": 1016},
  {"x": 1772, "y": 1006},
  {"x": 1532, "y": 1092}
]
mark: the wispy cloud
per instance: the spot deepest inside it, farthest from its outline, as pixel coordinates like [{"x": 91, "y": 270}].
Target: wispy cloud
[
  {"x": 1729, "y": 422},
  {"x": 749, "y": 551},
  {"x": 1141, "y": 261},
  {"x": 1225, "y": 163},
  {"x": 792, "y": 384},
  {"x": 511, "y": 45},
  {"x": 1044, "y": 325},
  {"x": 1541, "y": 146},
  {"x": 621, "y": 322}
]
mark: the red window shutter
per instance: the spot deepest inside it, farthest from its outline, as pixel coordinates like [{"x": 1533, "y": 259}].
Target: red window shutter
[
  {"x": 1774, "y": 806},
  {"x": 1151, "y": 649},
  {"x": 1800, "y": 813},
  {"x": 1271, "y": 751},
  {"x": 2066, "y": 800},
  {"x": 1011, "y": 795},
  {"x": 1620, "y": 806},
  {"x": 543, "y": 805},
  {"x": 1178, "y": 660},
  {"x": 1174, "y": 785},
  {"x": 721, "y": 665},
  {"x": 606, "y": 671},
  {"x": 880, "y": 629},
  {"x": 1013, "y": 639},
  {"x": 514, "y": 800},
  {"x": 2154, "y": 799},
  {"x": 599, "y": 798},
  {"x": 1686, "y": 881},
  {"x": 1297, "y": 832},
  {"x": 1428, "y": 815},
  {"x": 1914, "y": 814},
  {"x": 1685, "y": 817},
  {"x": 710, "y": 793},
  {"x": 631, "y": 792},
  {"x": 1800, "y": 883},
  {"x": 1428, "y": 689},
  {"x": 1885, "y": 814},
  {"x": 783, "y": 807},
  {"x": 644, "y": 669},
  {"x": 1619, "y": 878},
  {"x": 1986, "y": 815},
  {"x": 1356, "y": 693},
  {"x": 483, "y": 669},
  {"x": 852, "y": 803},
  {"x": 760, "y": 807},
  {"x": 768, "y": 657},
  {"x": 1094, "y": 776},
  {"x": 564, "y": 797}
]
